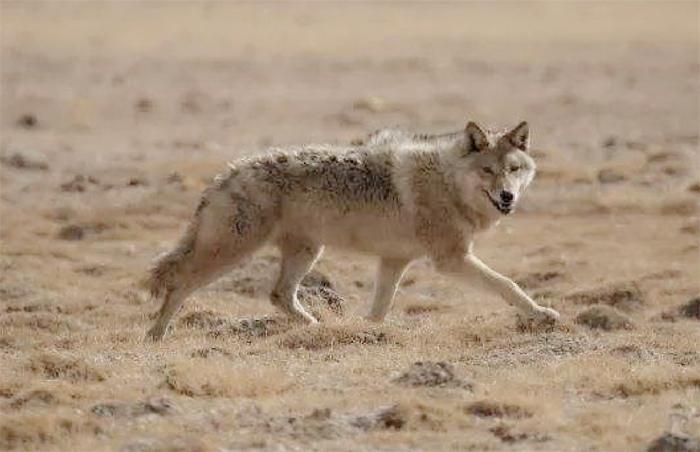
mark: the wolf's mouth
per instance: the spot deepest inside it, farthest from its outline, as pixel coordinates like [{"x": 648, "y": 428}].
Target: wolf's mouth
[{"x": 505, "y": 210}]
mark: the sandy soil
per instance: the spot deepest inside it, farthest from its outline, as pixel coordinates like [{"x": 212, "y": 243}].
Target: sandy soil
[{"x": 115, "y": 116}]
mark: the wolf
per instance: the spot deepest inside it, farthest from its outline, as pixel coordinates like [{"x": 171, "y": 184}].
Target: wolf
[{"x": 396, "y": 195}]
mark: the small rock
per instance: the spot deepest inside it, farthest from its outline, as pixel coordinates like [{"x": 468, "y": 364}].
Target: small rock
[
  {"x": 316, "y": 279},
  {"x": 610, "y": 142},
  {"x": 71, "y": 232},
  {"x": 386, "y": 418},
  {"x": 28, "y": 121},
  {"x": 691, "y": 309},
  {"x": 694, "y": 188},
  {"x": 604, "y": 318},
  {"x": 669, "y": 442},
  {"x": 317, "y": 292},
  {"x": 432, "y": 374},
  {"x": 144, "y": 105},
  {"x": 609, "y": 176},
  {"x": 137, "y": 182},
  {"x": 105, "y": 409}
]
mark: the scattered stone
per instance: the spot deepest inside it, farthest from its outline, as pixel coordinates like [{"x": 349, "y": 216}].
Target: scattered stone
[
  {"x": 27, "y": 121},
  {"x": 671, "y": 442},
  {"x": 604, "y": 318},
  {"x": 71, "y": 232},
  {"x": 610, "y": 176},
  {"x": 691, "y": 309},
  {"x": 432, "y": 374},
  {"x": 20, "y": 161},
  {"x": 486, "y": 408},
  {"x": 217, "y": 326},
  {"x": 209, "y": 351},
  {"x": 79, "y": 183},
  {"x": 159, "y": 406}
]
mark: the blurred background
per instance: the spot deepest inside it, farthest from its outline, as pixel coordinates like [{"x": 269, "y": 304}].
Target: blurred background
[{"x": 115, "y": 115}]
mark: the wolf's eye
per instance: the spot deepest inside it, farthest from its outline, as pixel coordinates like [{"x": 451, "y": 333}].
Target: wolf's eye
[
  {"x": 514, "y": 169},
  {"x": 487, "y": 170}
]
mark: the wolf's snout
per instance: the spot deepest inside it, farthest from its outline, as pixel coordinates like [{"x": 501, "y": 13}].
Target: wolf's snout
[{"x": 506, "y": 197}]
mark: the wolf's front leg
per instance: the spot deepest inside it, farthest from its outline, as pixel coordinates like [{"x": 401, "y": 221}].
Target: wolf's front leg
[
  {"x": 471, "y": 267},
  {"x": 388, "y": 277}
]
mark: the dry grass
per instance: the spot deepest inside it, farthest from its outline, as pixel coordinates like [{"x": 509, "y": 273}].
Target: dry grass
[{"x": 115, "y": 117}]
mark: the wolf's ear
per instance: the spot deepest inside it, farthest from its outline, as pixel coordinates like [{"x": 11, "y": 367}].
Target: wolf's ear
[
  {"x": 476, "y": 138},
  {"x": 520, "y": 136}
]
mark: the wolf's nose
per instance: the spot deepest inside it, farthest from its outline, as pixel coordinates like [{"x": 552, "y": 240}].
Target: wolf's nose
[{"x": 506, "y": 197}]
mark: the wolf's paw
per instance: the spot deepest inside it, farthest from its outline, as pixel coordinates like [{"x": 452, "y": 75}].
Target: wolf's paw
[
  {"x": 542, "y": 320},
  {"x": 547, "y": 314}
]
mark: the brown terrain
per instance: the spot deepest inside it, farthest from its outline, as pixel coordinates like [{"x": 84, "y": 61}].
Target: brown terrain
[{"x": 116, "y": 115}]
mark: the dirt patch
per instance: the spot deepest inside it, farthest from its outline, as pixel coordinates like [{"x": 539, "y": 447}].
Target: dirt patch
[
  {"x": 491, "y": 409},
  {"x": 432, "y": 374},
  {"x": 221, "y": 378},
  {"x": 601, "y": 317},
  {"x": 624, "y": 296},
  {"x": 640, "y": 386},
  {"x": 42, "y": 431},
  {"x": 404, "y": 416},
  {"x": 320, "y": 337},
  {"x": 69, "y": 368},
  {"x": 509, "y": 435},
  {"x": 41, "y": 397},
  {"x": 674, "y": 442},
  {"x": 40, "y": 321},
  {"x": 425, "y": 308},
  {"x": 23, "y": 162},
  {"x": 535, "y": 280}
]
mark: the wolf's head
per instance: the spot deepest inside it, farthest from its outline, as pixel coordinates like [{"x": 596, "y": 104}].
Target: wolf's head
[{"x": 494, "y": 169}]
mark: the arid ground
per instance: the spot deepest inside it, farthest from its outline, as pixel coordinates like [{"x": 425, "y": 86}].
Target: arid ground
[{"x": 116, "y": 115}]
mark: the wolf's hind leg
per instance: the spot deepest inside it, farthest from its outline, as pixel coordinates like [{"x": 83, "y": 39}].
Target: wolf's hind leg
[
  {"x": 298, "y": 256},
  {"x": 172, "y": 301},
  {"x": 388, "y": 277}
]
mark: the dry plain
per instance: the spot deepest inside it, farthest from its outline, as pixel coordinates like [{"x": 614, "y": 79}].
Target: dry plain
[{"x": 114, "y": 116}]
